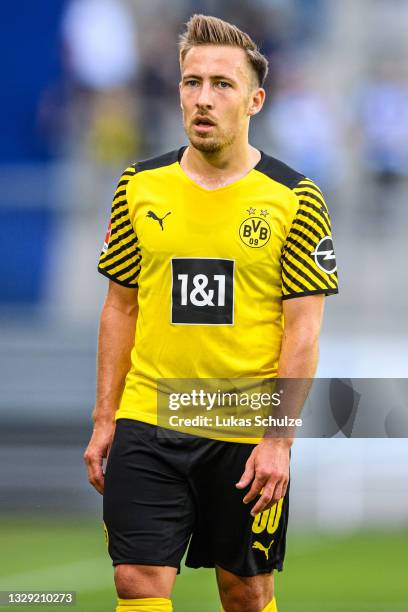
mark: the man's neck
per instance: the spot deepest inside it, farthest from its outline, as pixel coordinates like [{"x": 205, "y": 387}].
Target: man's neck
[{"x": 215, "y": 170}]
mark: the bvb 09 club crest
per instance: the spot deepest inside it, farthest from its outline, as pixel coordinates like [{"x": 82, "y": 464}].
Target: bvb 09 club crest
[{"x": 255, "y": 231}]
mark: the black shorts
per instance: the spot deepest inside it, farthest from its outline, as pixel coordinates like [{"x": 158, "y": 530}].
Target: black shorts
[{"x": 163, "y": 488}]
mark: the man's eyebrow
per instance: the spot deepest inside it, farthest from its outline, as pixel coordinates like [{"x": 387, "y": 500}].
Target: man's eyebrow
[
  {"x": 214, "y": 77},
  {"x": 223, "y": 77}
]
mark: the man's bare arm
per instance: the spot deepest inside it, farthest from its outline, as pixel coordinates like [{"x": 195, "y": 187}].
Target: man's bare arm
[
  {"x": 300, "y": 344},
  {"x": 116, "y": 339},
  {"x": 267, "y": 467}
]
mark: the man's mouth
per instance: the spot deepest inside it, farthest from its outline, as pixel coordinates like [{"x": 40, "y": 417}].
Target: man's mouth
[{"x": 203, "y": 123}]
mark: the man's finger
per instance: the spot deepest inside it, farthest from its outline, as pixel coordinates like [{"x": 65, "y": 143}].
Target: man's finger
[
  {"x": 279, "y": 492},
  {"x": 270, "y": 496},
  {"x": 264, "y": 502},
  {"x": 97, "y": 481},
  {"x": 254, "y": 490},
  {"x": 95, "y": 473},
  {"x": 99, "y": 485},
  {"x": 248, "y": 474}
]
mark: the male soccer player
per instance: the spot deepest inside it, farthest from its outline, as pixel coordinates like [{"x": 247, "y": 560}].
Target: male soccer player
[{"x": 219, "y": 258}]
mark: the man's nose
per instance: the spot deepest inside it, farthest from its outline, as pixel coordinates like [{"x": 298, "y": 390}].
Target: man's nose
[{"x": 204, "y": 99}]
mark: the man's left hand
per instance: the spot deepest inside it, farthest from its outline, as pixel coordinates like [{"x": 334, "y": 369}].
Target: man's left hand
[{"x": 268, "y": 470}]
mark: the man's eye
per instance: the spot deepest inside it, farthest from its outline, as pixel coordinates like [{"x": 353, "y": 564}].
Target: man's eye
[
  {"x": 191, "y": 83},
  {"x": 223, "y": 84}
]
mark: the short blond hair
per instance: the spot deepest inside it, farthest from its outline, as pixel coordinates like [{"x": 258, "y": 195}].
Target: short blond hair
[{"x": 208, "y": 30}]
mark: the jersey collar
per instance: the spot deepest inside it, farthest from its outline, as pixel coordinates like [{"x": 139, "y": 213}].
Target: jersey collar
[{"x": 234, "y": 184}]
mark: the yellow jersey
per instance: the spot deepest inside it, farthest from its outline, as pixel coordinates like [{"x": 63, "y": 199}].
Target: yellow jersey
[{"x": 212, "y": 268}]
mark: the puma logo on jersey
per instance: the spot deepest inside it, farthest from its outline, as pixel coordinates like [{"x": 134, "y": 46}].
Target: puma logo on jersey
[
  {"x": 153, "y": 215},
  {"x": 257, "y": 545}
]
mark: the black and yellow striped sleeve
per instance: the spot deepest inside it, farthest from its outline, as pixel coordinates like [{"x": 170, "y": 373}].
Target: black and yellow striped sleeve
[
  {"x": 120, "y": 259},
  {"x": 308, "y": 259}
]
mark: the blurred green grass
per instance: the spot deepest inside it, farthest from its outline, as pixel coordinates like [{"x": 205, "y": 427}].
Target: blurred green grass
[{"x": 354, "y": 572}]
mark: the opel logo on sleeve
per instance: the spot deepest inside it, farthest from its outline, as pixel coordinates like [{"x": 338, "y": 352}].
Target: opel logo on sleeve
[{"x": 324, "y": 255}]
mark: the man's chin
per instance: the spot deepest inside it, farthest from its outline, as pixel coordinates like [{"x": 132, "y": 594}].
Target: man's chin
[{"x": 205, "y": 145}]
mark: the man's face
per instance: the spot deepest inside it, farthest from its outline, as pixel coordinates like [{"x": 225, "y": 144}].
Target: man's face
[{"x": 216, "y": 92}]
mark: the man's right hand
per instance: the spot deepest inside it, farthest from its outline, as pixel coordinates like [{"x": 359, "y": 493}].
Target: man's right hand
[{"x": 98, "y": 448}]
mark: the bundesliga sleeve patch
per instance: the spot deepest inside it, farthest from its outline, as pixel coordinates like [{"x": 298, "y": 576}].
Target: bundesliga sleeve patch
[
  {"x": 202, "y": 291},
  {"x": 107, "y": 238}
]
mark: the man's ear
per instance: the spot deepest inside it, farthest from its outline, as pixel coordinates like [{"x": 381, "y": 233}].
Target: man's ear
[
  {"x": 181, "y": 106},
  {"x": 257, "y": 101}
]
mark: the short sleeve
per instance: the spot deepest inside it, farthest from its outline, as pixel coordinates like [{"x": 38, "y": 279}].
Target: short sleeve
[
  {"x": 120, "y": 259},
  {"x": 308, "y": 259}
]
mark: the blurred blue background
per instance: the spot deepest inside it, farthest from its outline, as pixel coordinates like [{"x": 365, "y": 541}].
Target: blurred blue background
[{"x": 90, "y": 86}]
